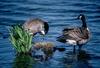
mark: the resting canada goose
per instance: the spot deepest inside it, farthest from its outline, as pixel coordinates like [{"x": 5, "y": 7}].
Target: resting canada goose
[
  {"x": 35, "y": 26},
  {"x": 76, "y": 36}
]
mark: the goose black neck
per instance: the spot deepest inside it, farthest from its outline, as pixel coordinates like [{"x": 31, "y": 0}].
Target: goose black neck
[
  {"x": 46, "y": 27},
  {"x": 84, "y": 23}
]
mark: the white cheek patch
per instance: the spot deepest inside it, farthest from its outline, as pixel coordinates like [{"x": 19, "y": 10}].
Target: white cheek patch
[
  {"x": 43, "y": 32},
  {"x": 87, "y": 29},
  {"x": 72, "y": 42},
  {"x": 80, "y": 17}
]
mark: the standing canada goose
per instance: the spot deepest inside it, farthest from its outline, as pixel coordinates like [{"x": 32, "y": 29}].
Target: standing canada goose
[
  {"x": 35, "y": 26},
  {"x": 76, "y": 36}
]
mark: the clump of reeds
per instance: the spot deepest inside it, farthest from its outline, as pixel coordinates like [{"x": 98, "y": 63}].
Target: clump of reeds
[{"x": 21, "y": 39}]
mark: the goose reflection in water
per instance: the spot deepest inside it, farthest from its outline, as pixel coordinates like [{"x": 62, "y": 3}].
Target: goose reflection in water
[{"x": 77, "y": 60}]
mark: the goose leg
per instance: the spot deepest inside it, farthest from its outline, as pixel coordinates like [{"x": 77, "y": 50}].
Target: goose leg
[
  {"x": 74, "y": 49},
  {"x": 80, "y": 47}
]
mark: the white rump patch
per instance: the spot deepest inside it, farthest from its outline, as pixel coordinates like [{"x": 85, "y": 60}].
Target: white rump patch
[
  {"x": 83, "y": 41},
  {"x": 72, "y": 42}
]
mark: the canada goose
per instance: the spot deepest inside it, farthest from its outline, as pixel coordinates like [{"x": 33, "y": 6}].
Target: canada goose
[
  {"x": 35, "y": 26},
  {"x": 76, "y": 36}
]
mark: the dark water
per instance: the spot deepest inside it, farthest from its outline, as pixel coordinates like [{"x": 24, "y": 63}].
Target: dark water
[{"x": 59, "y": 14}]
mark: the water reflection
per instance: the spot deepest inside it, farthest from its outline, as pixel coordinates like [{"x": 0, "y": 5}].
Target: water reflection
[
  {"x": 23, "y": 61},
  {"x": 77, "y": 60},
  {"x": 43, "y": 54}
]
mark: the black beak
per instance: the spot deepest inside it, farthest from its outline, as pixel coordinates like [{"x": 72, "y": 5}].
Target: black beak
[{"x": 78, "y": 17}]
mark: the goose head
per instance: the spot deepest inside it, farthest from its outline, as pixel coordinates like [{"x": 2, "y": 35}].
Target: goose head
[
  {"x": 35, "y": 26},
  {"x": 44, "y": 29},
  {"x": 81, "y": 16},
  {"x": 83, "y": 19}
]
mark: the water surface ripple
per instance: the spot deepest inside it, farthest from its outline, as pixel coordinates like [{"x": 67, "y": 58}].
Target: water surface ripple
[{"x": 59, "y": 14}]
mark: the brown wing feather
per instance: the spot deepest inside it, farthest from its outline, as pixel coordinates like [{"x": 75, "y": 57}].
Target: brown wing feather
[{"x": 76, "y": 33}]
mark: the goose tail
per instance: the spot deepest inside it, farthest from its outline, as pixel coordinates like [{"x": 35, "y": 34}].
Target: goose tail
[{"x": 61, "y": 39}]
